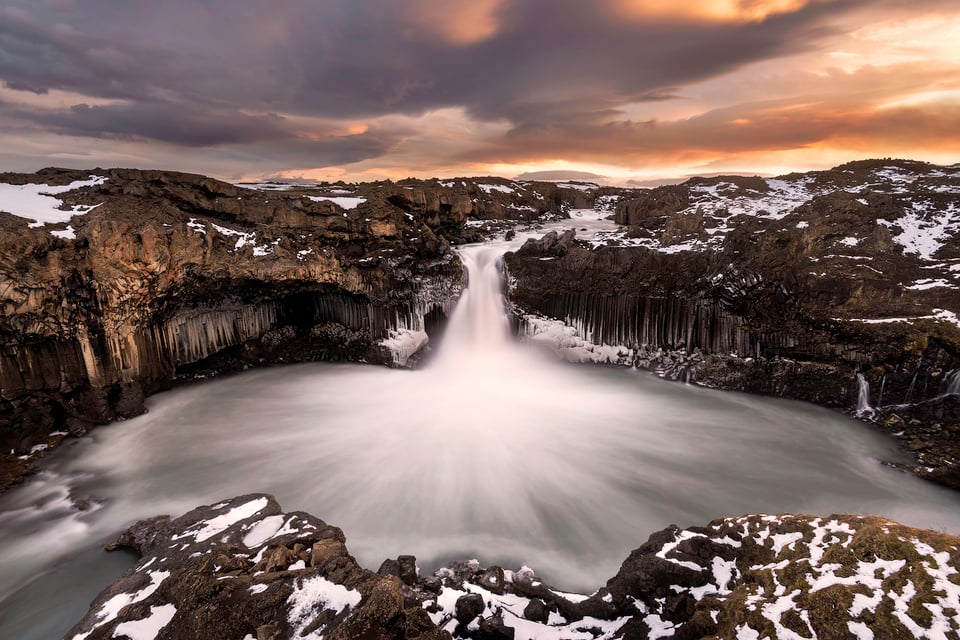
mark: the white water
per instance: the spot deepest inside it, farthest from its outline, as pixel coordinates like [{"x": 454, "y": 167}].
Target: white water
[
  {"x": 863, "y": 397},
  {"x": 492, "y": 452},
  {"x": 953, "y": 383}
]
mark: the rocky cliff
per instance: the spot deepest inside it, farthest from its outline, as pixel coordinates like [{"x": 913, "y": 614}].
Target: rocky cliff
[
  {"x": 244, "y": 570},
  {"x": 113, "y": 281},
  {"x": 836, "y": 287}
]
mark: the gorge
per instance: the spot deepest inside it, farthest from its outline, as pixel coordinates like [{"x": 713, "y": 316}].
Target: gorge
[{"x": 488, "y": 447}]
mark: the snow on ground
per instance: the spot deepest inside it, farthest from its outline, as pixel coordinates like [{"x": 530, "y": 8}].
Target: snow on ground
[
  {"x": 566, "y": 342},
  {"x": 510, "y": 607},
  {"x": 782, "y": 197},
  {"x": 924, "y": 229},
  {"x": 943, "y": 315},
  {"x": 487, "y": 188},
  {"x": 263, "y": 530},
  {"x": 314, "y": 595},
  {"x": 403, "y": 343},
  {"x": 930, "y": 283},
  {"x": 148, "y": 628},
  {"x": 777, "y": 565},
  {"x": 340, "y": 201},
  {"x": 206, "y": 529},
  {"x": 111, "y": 608},
  {"x": 579, "y": 186},
  {"x": 36, "y": 202},
  {"x": 244, "y": 238},
  {"x": 274, "y": 186},
  {"x": 67, "y": 234}
]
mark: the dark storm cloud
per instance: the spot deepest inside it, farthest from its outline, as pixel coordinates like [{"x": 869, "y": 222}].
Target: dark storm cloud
[
  {"x": 555, "y": 74},
  {"x": 551, "y": 61},
  {"x": 183, "y": 124}
]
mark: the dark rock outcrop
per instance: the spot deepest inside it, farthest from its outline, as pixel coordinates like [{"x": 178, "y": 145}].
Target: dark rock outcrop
[
  {"x": 242, "y": 569},
  {"x": 162, "y": 274},
  {"x": 789, "y": 286}
]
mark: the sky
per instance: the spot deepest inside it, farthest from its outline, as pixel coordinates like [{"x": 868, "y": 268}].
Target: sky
[{"x": 634, "y": 91}]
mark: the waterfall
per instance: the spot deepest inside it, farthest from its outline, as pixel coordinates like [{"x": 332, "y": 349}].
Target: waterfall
[
  {"x": 913, "y": 383},
  {"x": 864, "y": 410},
  {"x": 479, "y": 330},
  {"x": 953, "y": 382}
]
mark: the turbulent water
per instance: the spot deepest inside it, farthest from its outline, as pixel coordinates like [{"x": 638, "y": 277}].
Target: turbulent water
[{"x": 493, "y": 451}]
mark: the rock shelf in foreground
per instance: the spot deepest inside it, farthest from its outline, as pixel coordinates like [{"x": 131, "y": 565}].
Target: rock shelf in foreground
[{"x": 245, "y": 570}]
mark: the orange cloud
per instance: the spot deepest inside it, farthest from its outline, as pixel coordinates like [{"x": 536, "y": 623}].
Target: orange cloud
[
  {"x": 707, "y": 10},
  {"x": 456, "y": 22}
]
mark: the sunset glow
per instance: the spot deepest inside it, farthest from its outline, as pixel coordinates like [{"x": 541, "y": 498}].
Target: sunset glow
[{"x": 630, "y": 90}]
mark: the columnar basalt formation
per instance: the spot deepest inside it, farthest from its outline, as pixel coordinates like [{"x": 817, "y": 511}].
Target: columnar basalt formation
[
  {"x": 789, "y": 286},
  {"x": 244, "y": 570},
  {"x": 161, "y": 273}
]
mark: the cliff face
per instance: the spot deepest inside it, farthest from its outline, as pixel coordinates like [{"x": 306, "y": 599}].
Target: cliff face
[
  {"x": 145, "y": 274},
  {"x": 788, "y": 286},
  {"x": 245, "y": 569},
  {"x": 836, "y": 287}
]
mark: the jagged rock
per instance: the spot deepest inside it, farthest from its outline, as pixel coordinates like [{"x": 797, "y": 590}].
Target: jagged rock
[
  {"x": 237, "y": 569},
  {"x": 551, "y": 245},
  {"x": 203, "y": 575},
  {"x": 407, "y": 569},
  {"x": 390, "y": 567}
]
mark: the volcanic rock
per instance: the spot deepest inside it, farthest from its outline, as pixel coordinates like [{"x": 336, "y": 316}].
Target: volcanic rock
[
  {"x": 236, "y": 570},
  {"x": 788, "y": 286}
]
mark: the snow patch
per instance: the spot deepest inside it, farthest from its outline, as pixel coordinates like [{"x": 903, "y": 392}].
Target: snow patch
[
  {"x": 488, "y": 188},
  {"x": 221, "y": 523},
  {"x": 149, "y": 627},
  {"x": 340, "y": 201},
  {"x": 314, "y": 595},
  {"x": 36, "y": 202}
]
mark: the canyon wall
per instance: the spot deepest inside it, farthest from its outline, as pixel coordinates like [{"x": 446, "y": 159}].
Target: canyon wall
[
  {"x": 168, "y": 274},
  {"x": 790, "y": 287}
]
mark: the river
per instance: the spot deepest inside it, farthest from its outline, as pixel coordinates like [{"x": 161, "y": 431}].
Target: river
[{"x": 493, "y": 451}]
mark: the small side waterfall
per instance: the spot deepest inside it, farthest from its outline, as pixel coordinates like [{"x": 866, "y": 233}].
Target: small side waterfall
[
  {"x": 913, "y": 383},
  {"x": 953, "y": 383},
  {"x": 864, "y": 410}
]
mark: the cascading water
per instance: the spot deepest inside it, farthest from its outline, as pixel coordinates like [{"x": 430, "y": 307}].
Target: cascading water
[
  {"x": 493, "y": 451},
  {"x": 864, "y": 410},
  {"x": 953, "y": 383},
  {"x": 478, "y": 331}
]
